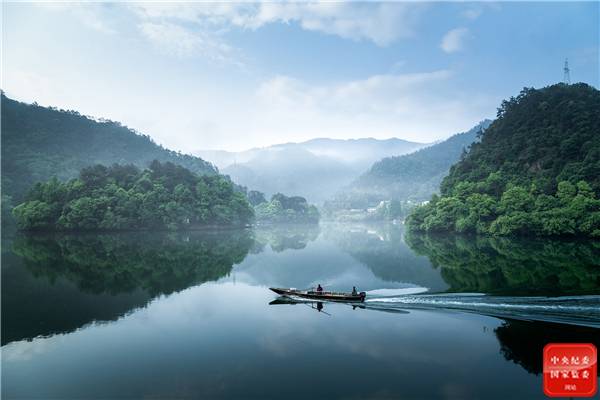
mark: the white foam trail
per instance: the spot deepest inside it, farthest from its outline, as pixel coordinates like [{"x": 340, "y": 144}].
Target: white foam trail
[
  {"x": 580, "y": 310},
  {"x": 478, "y": 304},
  {"x": 397, "y": 292}
]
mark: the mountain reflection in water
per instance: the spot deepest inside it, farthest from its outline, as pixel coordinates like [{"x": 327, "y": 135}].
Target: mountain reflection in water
[
  {"x": 513, "y": 266},
  {"x": 187, "y": 314},
  {"x": 58, "y": 283}
]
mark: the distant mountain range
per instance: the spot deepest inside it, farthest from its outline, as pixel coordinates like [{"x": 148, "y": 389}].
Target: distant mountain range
[
  {"x": 314, "y": 169},
  {"x": 415, "y": 176}
]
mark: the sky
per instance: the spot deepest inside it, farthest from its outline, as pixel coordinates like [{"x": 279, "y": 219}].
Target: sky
[{"x": 233, "y": 76}]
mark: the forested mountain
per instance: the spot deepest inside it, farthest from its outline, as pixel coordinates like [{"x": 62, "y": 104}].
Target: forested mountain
[
  {"x": 536, "y": 170},
  {"x": 314, "y": 169},
  {"x": 43, "y": 142},
  {"x": 122, "y": 197},
  {"x": 415, "y": 176}
]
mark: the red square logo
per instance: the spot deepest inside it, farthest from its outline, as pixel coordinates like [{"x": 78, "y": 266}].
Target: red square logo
[{"x": 570, "y": 370}]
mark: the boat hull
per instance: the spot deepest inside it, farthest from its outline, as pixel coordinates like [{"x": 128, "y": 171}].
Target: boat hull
[{"x": 323, "y": 296}]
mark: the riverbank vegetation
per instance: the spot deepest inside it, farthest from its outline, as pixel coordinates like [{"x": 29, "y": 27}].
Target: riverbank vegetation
[{"x": 123, "y": 197}]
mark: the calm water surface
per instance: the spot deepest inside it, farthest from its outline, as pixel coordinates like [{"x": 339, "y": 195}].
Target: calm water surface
[{"x": 189, "y": 315}]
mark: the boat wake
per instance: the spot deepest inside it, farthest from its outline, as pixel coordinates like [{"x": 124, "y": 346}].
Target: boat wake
[{"x": 578, "y": 310}]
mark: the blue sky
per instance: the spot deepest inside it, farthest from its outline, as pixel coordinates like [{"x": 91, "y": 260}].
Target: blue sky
[{"x": 238, "y": 75}]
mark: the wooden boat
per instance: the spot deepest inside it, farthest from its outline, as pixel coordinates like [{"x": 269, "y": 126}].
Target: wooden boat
[{"x": 323, "y": 295}]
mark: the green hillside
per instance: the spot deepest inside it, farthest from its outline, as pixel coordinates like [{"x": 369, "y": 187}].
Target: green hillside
[
  {"x": 39, "y": 143},
  {"x": 536, "y": 170}
]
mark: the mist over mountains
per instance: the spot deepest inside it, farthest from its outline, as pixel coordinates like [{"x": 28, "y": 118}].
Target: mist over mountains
[
  {"x": 410, "y": 177},
  {"x": 39, "y": 143},
  {"x": 314, "y": 169}
]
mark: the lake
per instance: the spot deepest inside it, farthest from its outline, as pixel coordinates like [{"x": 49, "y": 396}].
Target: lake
[{"x": 189, "y": 314}]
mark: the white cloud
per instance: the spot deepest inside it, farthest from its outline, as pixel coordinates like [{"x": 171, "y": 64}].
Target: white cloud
[
  {"x": 93, "y": 19},
  {"x": 414, "y": 106},
  {"x": 454, "y": 39},
  {"x": 378, "y": 92},
  {"x": 472, "y": 13},
  {"x": 25, "y": 350},
  {"x": 233, "y": 111},
  {"x": 381, "y": 23},
  {"x": 92, "y": 15},
  {"x": 185, "y": 42},
  {"x": 197, "y": 28}
]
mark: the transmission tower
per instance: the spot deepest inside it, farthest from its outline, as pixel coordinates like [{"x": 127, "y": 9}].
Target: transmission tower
[{"x": 567, "y": 75}]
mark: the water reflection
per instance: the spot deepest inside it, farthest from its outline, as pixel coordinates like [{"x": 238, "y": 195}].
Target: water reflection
[
  {"x": 330, "y": 259},
  {"x": 224, "y": 341},
  {"x": 512, "y": 266},
  {"x": 57, "y": 283},
  {"x": 383, "y": 250},
  {"x": 190, "y": 316},
  {"x": 284, "y": 237},
  {"x": 522, "y": 342},
  {"x": 156, "y": 263}
]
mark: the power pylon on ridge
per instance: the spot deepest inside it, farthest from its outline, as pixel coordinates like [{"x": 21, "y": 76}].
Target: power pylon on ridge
[{"x": 567, "y": 74}]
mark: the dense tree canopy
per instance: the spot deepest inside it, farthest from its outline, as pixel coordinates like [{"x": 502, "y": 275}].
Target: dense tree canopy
[
  {"x": 536, "y": 170},
  {"x": 281, "y": 208},
  {"x": 39, "y": 143},
  {"x": 122, "y": 197}
]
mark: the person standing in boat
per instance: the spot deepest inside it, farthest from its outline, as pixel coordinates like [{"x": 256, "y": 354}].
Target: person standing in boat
[
  {"x": 319, "y": 289},
  {"x": 354, "y": 292}
]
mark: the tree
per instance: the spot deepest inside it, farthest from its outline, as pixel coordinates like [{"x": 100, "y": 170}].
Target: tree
[
  {"x": 35, "y": 215},
  {"x": 255, "y": 197}
]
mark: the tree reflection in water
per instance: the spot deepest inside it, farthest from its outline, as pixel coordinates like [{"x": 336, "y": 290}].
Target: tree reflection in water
[
  {"x": 512, "y": 266},
  {"x": 522, "y": 341},
  {"x": 285, "y": 237},
  {"x": 57, "y": 283}
]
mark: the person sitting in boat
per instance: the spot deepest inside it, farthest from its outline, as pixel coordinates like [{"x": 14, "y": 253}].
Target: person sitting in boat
[
  {"x": 319, "y": 289},
  {"x": 354, "y": 292}
]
